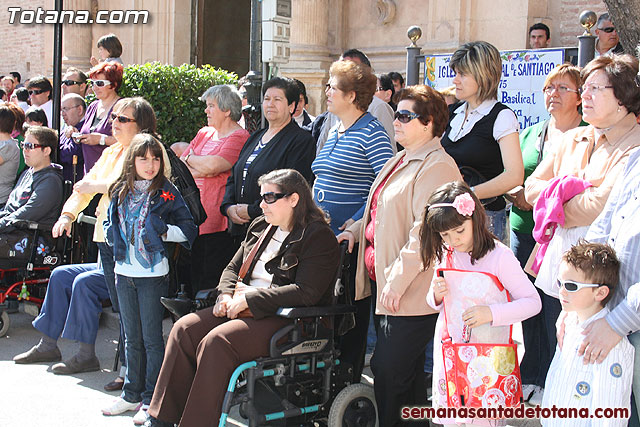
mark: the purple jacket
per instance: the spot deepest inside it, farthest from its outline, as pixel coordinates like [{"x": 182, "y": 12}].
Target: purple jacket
[
  {"x": 549, "y": 212},
  {"x": 92, "y": 153}
]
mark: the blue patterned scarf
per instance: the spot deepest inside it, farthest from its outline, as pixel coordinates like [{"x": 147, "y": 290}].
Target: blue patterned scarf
[{"x": 133, "y": 213}]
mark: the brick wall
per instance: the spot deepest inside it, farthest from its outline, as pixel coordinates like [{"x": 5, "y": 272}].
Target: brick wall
[
  {"x": 22, "y": 47},
  {"x": 567, "y": 27}
]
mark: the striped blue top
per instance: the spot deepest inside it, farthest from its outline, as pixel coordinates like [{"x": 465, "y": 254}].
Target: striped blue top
[{"x": 346, "y": 167}]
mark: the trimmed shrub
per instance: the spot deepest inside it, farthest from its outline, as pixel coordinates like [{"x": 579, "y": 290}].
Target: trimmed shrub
[{"x": 174, "y": 93}]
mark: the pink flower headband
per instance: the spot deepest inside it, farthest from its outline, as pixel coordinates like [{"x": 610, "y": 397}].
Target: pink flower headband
[{"x": 463, "y": 203}]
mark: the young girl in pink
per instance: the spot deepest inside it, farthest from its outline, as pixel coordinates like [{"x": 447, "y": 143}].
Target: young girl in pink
[{"x": 455, "y": 235}]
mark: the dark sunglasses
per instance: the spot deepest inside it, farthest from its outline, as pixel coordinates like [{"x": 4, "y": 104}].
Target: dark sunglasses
[
  {"x": 608, "y": 29},
  {"x": 30, "y": 146},
  {"x": 572, "y": 286},
  {"x": 35, "y": 92},
  {"x": 405, "y": 116},
  {"x": 121, "y": 119},
  {"x": 71, "y": 82},
  {"x": 272, "y": 197}
]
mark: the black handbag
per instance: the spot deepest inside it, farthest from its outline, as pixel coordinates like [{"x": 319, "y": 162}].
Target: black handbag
[{"x": 183, "y": 180}]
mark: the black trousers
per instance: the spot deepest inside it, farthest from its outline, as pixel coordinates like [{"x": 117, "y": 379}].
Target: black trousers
[{"x": 398, "y": 362}]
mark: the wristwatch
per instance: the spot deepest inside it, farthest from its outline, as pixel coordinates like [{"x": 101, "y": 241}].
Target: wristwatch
[{"x": 103, "y": 139}]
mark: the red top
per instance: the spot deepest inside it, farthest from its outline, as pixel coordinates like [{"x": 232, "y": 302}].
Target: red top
[
  {"x": 207, "y": 143},
  {"x": 369, "y": 231}
]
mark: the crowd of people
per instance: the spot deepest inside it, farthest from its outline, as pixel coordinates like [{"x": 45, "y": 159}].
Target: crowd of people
[{"x": 417, "y": 182}]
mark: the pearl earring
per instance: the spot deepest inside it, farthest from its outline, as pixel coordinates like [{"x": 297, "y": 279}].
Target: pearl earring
[
  {"x": 425, "y": 128},
  {"x": 618, "y": 108}
]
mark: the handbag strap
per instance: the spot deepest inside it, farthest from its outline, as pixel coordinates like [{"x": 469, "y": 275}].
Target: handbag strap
[
  {"x": 244, "y": 268},
  {"x": 449, "y": 264}
]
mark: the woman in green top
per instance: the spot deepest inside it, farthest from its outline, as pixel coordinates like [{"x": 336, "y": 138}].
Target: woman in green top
[{"x": 563, "y": 101}]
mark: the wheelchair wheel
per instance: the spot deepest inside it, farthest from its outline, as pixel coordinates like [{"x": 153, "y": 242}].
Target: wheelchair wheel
[
  {"x": 354, "y": 406},
  {"x": 4, "y": 323}
]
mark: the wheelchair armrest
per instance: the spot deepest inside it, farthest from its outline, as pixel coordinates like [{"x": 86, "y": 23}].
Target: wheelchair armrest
[
  {"x": 24, "y": 224},
  {"x": 298, "y": 312}
]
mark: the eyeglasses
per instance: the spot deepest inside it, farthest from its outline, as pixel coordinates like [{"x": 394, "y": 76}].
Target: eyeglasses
[
  {"x": 65, "y": 109},
  {"x": 30, "y": 146},
  {"x": 562, "y": 90},
  {"x": 35, "y": 91},
  {"x": 329, "y": 87},
  {"x": 272, "y": 197},
  {"x": 405, "y": 116},
  {"x": 380, "y": 88},
  {"x": 121, "y": 119},
  {"x": 71, "y": 82},
  {"x": 100, "y": 83},
  {"x": 572, "y": 286},
  {"x": 608, "y": 29},
  {"x": 593, "y": 88}
]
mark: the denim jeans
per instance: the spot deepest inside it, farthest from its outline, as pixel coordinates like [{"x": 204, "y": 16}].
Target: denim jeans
[
  {"x": 141, "y": 314},
  {"x": 497, "y": 222}
]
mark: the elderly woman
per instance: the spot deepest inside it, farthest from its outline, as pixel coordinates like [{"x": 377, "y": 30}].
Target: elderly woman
[
  {"x": 205, "y": 347},
  {"x": 482, "y": 134},
  {"x": 75, "y": 293},
  {"x": 595, "y": 154},
  {"x": 562, "y": 100},
  {"x": 106, "y": 79},
  {"x": 281, "y": 145},
  {"x": 355, "y": 150},
  {"x": 389, "y": 265},
  {"x": 210, "y": 157}
]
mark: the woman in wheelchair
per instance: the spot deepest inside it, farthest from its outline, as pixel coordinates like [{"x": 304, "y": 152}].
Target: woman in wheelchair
[{"x": 289, "y": 258}]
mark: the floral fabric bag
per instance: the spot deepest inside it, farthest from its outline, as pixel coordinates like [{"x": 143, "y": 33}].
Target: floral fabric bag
[{"x": 480, "y": 364}]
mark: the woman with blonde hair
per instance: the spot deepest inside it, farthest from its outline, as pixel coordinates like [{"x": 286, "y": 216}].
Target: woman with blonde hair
[{"x": 482, "y": 134}]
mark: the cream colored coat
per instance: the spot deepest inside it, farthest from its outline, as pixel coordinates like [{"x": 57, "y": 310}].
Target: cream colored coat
[{"x": 400, "y": 210}]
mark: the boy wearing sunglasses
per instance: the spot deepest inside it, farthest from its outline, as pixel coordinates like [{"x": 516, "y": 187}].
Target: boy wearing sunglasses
[{"x": 587, "y": 277}]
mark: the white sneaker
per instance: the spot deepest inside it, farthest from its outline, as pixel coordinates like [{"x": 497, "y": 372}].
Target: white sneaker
[
  {"x": 527, "y": 391},
  {"x": 141, "y": 416},
  {"x": 119, "y": 405},
  {"x": 536, "y": 397}
]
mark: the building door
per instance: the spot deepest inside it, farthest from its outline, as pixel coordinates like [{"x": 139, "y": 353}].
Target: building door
[{"x": 222, "y": 34}]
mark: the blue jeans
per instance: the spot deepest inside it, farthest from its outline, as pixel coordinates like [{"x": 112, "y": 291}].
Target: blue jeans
[
  {"x": 141, "y": 314},
  {"x": 73, "y": 303},
  {"x": 497, "y": 222}
]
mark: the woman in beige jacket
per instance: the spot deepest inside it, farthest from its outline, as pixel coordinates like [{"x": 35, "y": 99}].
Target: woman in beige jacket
[{"x": 389, "y": 263}]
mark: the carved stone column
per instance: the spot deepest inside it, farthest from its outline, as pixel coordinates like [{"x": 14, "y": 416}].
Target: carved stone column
[
  {"x": 76, "y": 39},
  {"x": 315, "y": 44}
]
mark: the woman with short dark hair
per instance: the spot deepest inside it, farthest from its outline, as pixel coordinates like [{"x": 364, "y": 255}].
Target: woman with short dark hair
[
  {"x": 282, "y": 144},
  {"x": 204, "y": 348},
  {"x": 389, "y": 265}
]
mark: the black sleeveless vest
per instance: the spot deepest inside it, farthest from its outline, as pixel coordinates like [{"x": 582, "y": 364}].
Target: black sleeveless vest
[{"x": 478, "y": 149}]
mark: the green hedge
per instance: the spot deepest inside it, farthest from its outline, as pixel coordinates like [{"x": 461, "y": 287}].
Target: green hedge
[{"x": 174, "y": 93}]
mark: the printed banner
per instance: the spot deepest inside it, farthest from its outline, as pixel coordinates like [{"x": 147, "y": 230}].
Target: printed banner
[{"x": 523, "y": 76}]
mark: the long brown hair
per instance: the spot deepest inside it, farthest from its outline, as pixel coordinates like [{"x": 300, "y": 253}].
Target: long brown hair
[
  {"x": 440, "y": 219},
  {"x": 140, "y": 145},
  {"x": 291, "y": 181}
]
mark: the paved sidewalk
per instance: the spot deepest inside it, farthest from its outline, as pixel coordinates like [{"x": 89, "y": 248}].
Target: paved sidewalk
[{"x": 34, "y": 397}]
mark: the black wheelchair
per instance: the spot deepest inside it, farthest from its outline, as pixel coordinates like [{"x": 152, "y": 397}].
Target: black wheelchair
[
  {"x": 25, "y": 267},
  {"x": 302, "y": 382}
]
